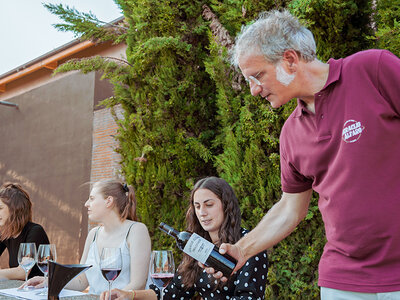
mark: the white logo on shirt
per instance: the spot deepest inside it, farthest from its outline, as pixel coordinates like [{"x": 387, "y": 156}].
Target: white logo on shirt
[{"x": 352, "y": 131}]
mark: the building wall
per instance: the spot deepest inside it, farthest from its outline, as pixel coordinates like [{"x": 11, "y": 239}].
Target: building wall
[
  {"x": 105, "y": 161},
  {"x": 47, "y": 147},
  {"x": 50, "y": 143}
]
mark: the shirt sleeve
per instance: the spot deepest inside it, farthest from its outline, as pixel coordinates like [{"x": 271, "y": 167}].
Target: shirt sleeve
[
  {"x": 37, "y": 235},
  {"x": 389, "y": 79},
  {"x": 291, "y": 180},
  {"x": 174, "y": 290},
  {"x": 252, "y": 278}
]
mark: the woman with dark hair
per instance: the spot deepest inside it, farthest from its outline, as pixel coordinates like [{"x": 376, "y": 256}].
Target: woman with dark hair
[
  {"x": 16, "y": 227},
  {"x": 112, "y": 204},
  {"x": 214, "y": 214}
]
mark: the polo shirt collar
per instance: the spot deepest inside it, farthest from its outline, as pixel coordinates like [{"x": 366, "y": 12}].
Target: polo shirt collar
[{"x": 335, "y": 69}]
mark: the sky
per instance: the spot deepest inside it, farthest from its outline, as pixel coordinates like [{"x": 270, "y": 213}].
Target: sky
[{"x": 26, "y": 30}]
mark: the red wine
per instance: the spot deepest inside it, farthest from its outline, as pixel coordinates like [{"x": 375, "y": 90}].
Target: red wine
[
  {"x": 43, "y": 266},
  {"x": 110, "y": 274},
  {"x": 201, "y": 250},
  {"x": 162, "y": 279}
]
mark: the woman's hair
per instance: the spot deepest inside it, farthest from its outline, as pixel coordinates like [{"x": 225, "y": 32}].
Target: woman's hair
[
  {"x": 271, "y": 35},
  {"x": 123, "y": 195},
  {"x": 229, "y": 231},
  {"x": 20, "y": 208}
]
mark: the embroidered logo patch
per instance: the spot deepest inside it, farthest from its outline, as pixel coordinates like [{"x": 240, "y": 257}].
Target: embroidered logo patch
[{"x": 352, "y": 131}]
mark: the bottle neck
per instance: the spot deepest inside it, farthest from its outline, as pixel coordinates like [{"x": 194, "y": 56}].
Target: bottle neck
[{"x": 169, "y": 230}]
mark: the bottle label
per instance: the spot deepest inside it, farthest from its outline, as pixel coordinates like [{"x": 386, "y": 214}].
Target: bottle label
[{"x": 198, "y": 248}]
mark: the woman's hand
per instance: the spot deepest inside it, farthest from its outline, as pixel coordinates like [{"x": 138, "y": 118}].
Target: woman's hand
[
  {"x": 117, "y": 294},
  {"x": 37, "y": 282}
]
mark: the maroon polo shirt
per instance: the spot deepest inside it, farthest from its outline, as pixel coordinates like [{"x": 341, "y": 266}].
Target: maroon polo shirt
[{"x": 349, "y": 152}]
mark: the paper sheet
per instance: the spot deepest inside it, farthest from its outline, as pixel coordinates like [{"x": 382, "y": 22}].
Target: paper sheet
[{"x": 32, "y": 294}]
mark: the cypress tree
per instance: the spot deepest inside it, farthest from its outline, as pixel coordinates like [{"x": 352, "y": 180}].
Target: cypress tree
[
  {"x": 166, "y": 135},
  {"x": 188, "y": 114},
  {"x": 387, "y": 25}
]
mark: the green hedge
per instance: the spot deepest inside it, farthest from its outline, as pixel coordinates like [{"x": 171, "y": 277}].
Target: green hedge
[{"x": 188, "y": 114}]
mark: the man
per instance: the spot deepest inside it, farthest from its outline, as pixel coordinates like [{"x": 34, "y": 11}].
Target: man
[{"x": 343, "y": 141}]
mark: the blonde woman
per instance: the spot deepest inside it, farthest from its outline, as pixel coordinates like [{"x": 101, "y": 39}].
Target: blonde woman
[{"x": 113, "y": 204}]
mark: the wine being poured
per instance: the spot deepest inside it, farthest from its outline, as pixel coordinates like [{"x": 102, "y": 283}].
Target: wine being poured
[{"x": 201, "y": 250}]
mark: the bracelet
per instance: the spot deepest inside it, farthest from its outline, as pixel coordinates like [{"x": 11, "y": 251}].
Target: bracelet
[{"x": 133, "y": 294}]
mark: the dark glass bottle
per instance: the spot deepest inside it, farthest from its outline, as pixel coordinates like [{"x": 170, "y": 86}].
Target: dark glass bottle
[{"x": 201, "y": 249}]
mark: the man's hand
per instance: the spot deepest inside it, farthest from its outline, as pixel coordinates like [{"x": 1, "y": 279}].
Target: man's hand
[
  {"x": 232, "y": 250},
  {"x": 37, "y": 282},
  {"x": 117, "y": 294}
]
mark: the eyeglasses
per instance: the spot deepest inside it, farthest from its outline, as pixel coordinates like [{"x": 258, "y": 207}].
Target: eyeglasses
[{"x": 254, "y": 79}]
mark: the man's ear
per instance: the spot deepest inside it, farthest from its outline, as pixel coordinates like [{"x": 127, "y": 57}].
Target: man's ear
[{"x": 290, "y": 61}]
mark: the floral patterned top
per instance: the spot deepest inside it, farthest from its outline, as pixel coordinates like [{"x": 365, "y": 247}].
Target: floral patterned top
[{"x": 248, "y": 283}]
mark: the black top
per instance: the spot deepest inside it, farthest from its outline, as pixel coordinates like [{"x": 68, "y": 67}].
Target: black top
[
  {"x": 32, "y": 233},
  {"x": 248, "y": 283}
]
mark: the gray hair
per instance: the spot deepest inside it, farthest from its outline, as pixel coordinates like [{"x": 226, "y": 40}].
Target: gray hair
[{"x": 271, "y": 35}]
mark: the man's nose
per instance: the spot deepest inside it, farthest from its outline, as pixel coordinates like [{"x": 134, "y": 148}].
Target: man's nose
[{"x": 255, "y": 89}]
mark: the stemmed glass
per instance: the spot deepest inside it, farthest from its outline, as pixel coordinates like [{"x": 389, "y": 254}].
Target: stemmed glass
[
  {"x": 110, "y": 265},
  {"x": 26, "y": 259},
  {"x": 162, "y": 268},
  {"x": 45, "y": 253}
]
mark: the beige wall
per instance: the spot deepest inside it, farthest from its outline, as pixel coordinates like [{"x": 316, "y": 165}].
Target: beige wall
[{"x": 47, "y": 144}]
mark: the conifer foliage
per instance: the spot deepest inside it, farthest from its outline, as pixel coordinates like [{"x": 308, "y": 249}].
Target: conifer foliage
[{"x": 188, "y": 114}]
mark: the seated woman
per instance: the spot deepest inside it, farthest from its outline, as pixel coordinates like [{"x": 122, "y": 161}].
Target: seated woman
[
  {"x": 16, "y": 227},
  {"x": 214, "y": 214},
  {"x": 113, "y": 205}
]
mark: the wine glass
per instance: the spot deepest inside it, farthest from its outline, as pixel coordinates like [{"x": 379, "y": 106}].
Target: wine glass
[
  {"x": 110, "y": 265},
  {"x": 162, "y": 268},
  {"x": 26, "y": 259},
  {"x": 45, "y": 253}
]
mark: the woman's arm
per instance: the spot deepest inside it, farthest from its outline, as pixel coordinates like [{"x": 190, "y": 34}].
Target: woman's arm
[
  {"x": 139, "y": 249},
  {"x": 174, "y": 290},
  {"x": 80, "y": 282},
  {"x": 16, "y": 273},
  {"x": 117, "y": 294}
]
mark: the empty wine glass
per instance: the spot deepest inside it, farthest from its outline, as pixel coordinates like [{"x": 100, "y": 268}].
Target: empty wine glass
[
  {"x": 26, "y": 259},
  {"x": 110, "y": 265},
  {"x": 162, "y": 268},
  {"x": 45, "y": 253}
]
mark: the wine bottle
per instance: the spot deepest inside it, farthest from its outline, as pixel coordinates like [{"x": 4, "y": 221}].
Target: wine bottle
[{"x": 201, "y": 250}]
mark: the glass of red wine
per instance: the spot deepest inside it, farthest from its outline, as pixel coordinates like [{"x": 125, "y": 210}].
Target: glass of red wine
[
  {"x": 110, "y": 265},
  {"x": 162, "y": 268},
  {"x": 45, "y": 253}
]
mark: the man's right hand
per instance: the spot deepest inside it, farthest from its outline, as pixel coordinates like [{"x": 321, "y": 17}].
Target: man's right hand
[{"x": 233, "y": 250}]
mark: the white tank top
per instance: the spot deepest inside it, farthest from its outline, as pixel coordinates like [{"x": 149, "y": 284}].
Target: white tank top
[{"x": 97, "y": 283}]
